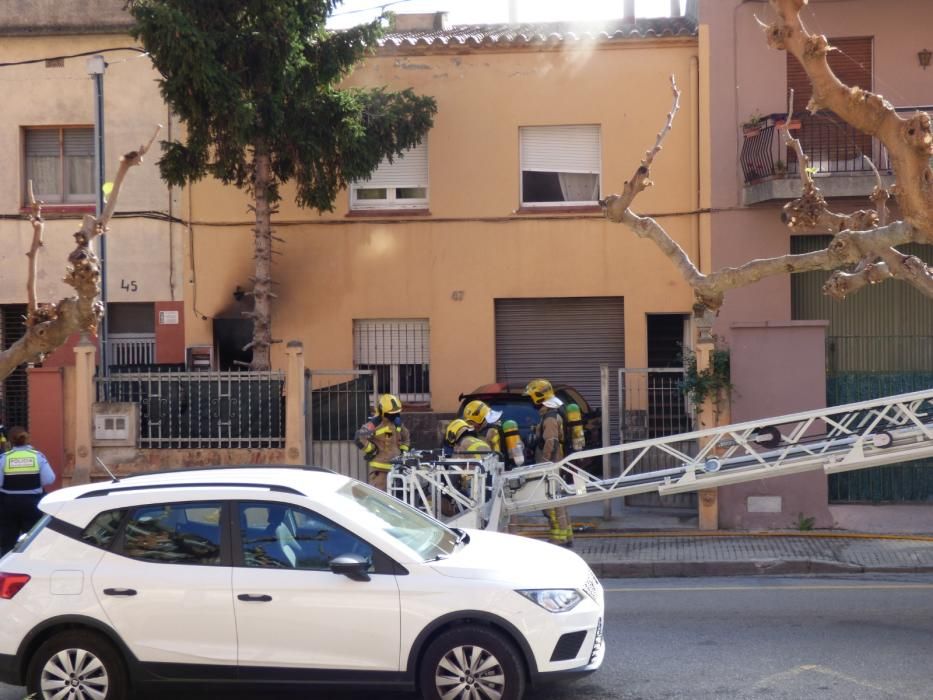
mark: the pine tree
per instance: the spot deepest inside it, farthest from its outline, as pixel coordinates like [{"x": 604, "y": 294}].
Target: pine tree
[{"x": 256, "y": 84}]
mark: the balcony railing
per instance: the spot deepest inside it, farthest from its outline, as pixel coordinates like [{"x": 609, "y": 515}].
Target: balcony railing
[{"x": 833, "y": 146}]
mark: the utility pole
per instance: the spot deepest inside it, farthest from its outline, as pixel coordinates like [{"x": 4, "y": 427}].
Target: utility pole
[{"x": 96, "y": 65}]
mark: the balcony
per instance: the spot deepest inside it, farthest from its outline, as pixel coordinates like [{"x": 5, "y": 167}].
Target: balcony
[{"x": 771, "y": 170}]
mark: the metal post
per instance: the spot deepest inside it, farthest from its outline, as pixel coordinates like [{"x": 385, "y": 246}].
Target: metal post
[
  {"x": 96, "y": 65},
  {"x": 607, "y": 439}
]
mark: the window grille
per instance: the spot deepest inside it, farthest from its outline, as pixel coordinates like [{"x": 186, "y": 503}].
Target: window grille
[{"x": 398, "y": 351}]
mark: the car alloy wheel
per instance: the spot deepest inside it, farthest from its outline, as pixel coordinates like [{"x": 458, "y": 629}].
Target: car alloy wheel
[
  {"x": 74, "y": 673},
  {"x": 469, "y": 672},
  {"x": 471, "y": 662},
  {"x": 77, "y": 665}
]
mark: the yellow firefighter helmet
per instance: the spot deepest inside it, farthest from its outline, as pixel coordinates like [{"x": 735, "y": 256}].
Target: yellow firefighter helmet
[
  {"x": 455, "y": 429},
  {"x": 389, "y": 405},
  {"x": 476, "y": 412},
  {"x": 540, "y": 390}
]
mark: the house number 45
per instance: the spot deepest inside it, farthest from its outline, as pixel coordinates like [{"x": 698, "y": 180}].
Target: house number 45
[{"x": 129, "y": 286}]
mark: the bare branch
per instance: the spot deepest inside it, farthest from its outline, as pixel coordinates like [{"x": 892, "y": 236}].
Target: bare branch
[
  {"x": 616, "y": 205},
  {"x": 50, "y": 326},
  {"x": 38, "y": 228},
  {"x": 909, "y": 142}
]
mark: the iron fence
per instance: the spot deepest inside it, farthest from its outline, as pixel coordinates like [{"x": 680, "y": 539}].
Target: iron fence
[
  {"x": 190, "y": 410},
  {"x": 833, "y": 146},
  {"x": 338, "y": 402}
]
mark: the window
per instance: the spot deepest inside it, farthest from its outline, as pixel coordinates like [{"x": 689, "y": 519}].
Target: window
[
  {"x": 560, "y": 165},
  {"x": 174, "y": 534},
  {"x": 399, "y": 352},
  {"x": 102, "y": 529},
  {"x": 401, "y": 184},
  {"x": 60, "y": 163},
  {"x": 277, "y": 536}
]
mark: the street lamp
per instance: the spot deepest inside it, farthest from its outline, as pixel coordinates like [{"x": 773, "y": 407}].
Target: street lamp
[{"x": 96, "y": 65}]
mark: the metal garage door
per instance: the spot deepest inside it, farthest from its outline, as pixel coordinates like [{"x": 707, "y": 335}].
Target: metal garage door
[{"x": 564, "y": 340}]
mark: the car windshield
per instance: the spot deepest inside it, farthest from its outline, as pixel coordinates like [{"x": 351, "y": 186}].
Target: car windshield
[{"x": 376, "y": 510}]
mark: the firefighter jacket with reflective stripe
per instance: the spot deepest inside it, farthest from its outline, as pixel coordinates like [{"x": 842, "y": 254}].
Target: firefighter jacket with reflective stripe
[
  {"x": 21, "y": 471},
  {"x": 549, "y": 436},
  {"x": 382, "y": 441},
  {"x": 493, "y": 438},
  {"x": 470, "y": 444}
]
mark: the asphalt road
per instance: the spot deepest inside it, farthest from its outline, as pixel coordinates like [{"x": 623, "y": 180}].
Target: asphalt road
[{"x": 859, "y": 638}]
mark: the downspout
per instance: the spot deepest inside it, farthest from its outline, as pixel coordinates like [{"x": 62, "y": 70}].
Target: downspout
[{"x": 696, "y": 179}]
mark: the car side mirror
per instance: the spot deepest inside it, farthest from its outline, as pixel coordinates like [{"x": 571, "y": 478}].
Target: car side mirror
[{"x": 353, "y": 566}]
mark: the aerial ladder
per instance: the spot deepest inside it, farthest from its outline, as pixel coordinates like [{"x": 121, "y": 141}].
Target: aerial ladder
[{"x": 480, "y": 493}]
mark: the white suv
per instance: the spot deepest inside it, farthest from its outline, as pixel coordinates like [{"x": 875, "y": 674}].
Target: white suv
[{"x": 283, "y": 576}]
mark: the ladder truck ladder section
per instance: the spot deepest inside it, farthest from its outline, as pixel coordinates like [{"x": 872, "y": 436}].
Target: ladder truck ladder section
[{"x": 835, "y": 439}]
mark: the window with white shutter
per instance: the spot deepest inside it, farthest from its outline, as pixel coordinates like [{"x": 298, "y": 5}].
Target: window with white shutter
[
  {"x": 399, "y": 351},
  {"x": 60, "y": 163},
  {"x": 401, "y": 184},
  {"x": 561, "y": 165}
]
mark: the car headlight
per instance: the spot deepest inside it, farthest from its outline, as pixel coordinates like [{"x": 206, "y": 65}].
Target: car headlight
[{"x": 554, "y": 600}]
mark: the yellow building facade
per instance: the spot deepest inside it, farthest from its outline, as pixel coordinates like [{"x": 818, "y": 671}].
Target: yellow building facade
[{"x": 472, "y": 240}]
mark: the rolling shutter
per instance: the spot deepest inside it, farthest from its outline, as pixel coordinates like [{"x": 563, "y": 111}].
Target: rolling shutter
[
  {"x": 564, "y": 340},
  {"x": 560, "y": 149},
  {"x": 408, "y": 170},
  {"x": 852, "y": 64}
]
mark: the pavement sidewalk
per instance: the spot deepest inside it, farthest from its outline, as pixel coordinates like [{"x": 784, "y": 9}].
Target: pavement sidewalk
[{"x": 656, "y": 544}]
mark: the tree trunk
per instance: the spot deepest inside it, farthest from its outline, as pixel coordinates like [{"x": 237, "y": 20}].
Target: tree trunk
[{"x": 262, "y": 254}]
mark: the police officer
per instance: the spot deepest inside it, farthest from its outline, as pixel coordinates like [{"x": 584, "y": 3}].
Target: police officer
[
  {"x": 503, "y": 438},
  {"x": 24, "y": 472},
  {"x": 549, "y": 447},
  {"x": 383, "y": 438}
]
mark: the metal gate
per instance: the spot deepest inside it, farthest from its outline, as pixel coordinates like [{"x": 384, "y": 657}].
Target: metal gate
[
  {"x": 338, "y": 402},
  {"x": 652, "y": 405},
  {"x": 14, "y": 390}
]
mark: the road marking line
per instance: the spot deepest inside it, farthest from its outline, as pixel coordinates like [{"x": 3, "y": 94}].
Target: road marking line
[
  {"x": 770, "y": 681},
  {"x": 794, "y": 587}
]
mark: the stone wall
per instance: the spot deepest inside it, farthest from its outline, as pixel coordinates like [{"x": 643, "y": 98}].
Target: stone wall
[{"x": 41, "y": 17}]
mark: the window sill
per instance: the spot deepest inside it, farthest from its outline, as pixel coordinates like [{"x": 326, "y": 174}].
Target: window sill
[
  {"x": 573, "y": 209},
  {"x": 382, "y": 213},
  {"x": 61, "y": 209}
]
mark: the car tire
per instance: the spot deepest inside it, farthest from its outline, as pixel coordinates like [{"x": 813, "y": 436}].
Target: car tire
[
  {"x": 450, "y": 661},
  {"x": 83, "y": 660}
]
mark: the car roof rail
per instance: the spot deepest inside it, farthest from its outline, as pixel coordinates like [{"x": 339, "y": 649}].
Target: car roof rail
[
  {"x": 122, "y": 487},
  {"x": 215, "y": 467}
]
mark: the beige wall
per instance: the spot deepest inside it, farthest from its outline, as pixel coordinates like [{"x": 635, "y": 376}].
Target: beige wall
[
  {"x": 146, "y": 250},
  {"x": 335, "y": 269}
]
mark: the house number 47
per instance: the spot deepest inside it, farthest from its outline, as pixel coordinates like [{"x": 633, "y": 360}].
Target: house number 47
[{"x": 129, "y": 286}]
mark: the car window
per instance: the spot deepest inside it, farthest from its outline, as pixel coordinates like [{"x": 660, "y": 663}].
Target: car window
[
  {"x": 102, "y": 529},
  {"x": 375, "y": 509},
  {"x": 278, "y": 536},
  {"x": 522, "y": 411},
  {"x": 174, "y": 533}
]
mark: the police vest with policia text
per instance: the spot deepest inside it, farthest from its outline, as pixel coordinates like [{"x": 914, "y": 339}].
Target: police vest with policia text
[{"x": 21, "y": 470}]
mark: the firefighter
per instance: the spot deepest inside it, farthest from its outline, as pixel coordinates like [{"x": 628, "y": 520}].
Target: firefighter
[
  {"x": 460, "y": 439},
  {"x": 502, "y": 437},
  {"x": 24, "y": 473},
  {"x": 549, "y": 447},
  {"x": 383, "y": 438}
]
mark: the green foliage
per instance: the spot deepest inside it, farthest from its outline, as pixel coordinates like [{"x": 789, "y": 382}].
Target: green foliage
[
  {"x": 804, "y": 523},
  {"x": 712, "y": 382},
  {"x": 248, "y": 75}
]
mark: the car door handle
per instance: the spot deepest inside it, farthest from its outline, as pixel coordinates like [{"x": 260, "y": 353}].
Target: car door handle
[
  {"x": 255, "y": 597},
  {"x": 119, "y": 591}
]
